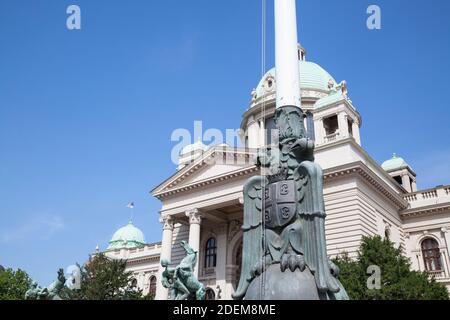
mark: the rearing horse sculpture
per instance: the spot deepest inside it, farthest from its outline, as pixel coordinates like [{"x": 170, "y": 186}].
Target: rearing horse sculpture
[{"x": 181, "y": 279}]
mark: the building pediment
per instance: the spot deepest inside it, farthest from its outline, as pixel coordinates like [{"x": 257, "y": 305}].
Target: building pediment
[{"x": 216, "y": 165}]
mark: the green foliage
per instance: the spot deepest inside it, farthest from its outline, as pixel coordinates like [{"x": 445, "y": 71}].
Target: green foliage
[
  {"x": 398, "y": 282},
  {"x": 14, "y": 284},
  {"x": 105, "y": 279}
]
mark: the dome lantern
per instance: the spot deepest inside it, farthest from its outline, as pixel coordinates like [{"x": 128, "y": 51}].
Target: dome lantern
[{"x": 401, "y": 172}]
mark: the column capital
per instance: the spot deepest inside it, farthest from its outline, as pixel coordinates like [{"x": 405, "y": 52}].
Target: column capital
[
  {"x": 194, "y": 215},
  {"x": 167, "y": 222}
]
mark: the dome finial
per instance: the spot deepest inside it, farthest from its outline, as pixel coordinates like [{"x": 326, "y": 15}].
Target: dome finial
[{"x": 394, "y": 156}]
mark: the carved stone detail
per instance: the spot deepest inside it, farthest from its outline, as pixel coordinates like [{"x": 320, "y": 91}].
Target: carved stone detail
[
  {"x": 235, "y": 227},
  {"x": 194, "y": 215},
  {"x": 167, "y": 221}
]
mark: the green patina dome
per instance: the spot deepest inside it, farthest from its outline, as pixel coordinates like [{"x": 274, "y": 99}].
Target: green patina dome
[
  {"x": 395, "y": 163},
  {"x": 127, "y": 237},
  {"x": 312, "y": 76}
]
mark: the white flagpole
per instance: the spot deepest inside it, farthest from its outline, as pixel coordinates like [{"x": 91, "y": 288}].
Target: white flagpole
[{"x": 286, "y": 54}]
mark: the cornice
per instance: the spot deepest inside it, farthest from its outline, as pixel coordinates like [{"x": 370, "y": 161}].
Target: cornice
[
  {"x": 365, "y": 155},
  {"x": 207, "y": 182},
  {"x": 425, "y": 211},
  {"x": 356, "y": 168},
  {"x": 136, "y": 261},
  {"x": 208, "y": 158},
  {"x": 360, "y": 169}
]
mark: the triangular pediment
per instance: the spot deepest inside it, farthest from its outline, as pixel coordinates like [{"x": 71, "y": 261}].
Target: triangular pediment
[{"x": 214, "y": 164}]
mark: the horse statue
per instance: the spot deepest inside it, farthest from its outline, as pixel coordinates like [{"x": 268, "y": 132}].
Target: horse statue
[
  {"x": 52, "y": 292},
  {"x": 181, "y": 279},
  {"x": 33, "y": 292}
]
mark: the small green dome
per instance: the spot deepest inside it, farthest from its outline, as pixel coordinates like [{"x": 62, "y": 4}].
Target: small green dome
[
  {"x": 312, "y": 76},
  {"x": 127, "y": 237},
  {"x": 395, "y": 163}
]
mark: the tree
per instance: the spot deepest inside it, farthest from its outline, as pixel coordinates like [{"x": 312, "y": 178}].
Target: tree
[
  {"x": 397, "y": 280},
  {"x": 105, "y": 279},
  {"x": 14, "y": 284}
]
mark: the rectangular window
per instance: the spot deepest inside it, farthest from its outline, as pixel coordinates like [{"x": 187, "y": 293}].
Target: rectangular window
[{"x": 350, "y": 126}]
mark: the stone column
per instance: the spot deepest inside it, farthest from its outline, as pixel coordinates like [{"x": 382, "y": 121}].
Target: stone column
[
  {"x": 343, "y": 125},
  {"x": 356, "y": 136},
  {"x": 319, "y": 131},
  {"x": 253, "y": 139},
  {"x": 221, "y": 265},
  {"x": 406, "y": 183},
  {"x": 195, "y": 220},
  {"x": 446, "y": 234},
  {"x": 414, "y": 186},
  {"x": 262, "y": 133},
  {"x": 166, "y": 253},
  {"x": 420, "y": 262}
]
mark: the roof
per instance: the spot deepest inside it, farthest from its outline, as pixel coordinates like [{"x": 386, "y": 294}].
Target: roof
[
  {"x": 395, "y": 163},
  {"x": 127, "y": 236},
  {"x": 312, "y": 76}
]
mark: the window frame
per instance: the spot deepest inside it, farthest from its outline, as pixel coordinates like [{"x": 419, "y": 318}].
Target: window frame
[
  {"x": 431, "y": 254},
  {"x": 210, "y": 259}
]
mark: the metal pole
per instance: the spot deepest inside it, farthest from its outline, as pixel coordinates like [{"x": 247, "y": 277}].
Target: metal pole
[{"x": 286, "y": 54}]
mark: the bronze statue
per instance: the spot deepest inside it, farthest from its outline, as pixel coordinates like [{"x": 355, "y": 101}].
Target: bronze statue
[
  {"x": 52, "y": 292},
  {"x": 181, "y": 280},
  {"x": 284, "y": 250}
]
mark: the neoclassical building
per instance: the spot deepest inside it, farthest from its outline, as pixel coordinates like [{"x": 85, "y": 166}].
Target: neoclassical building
[
  {"x": 128, "y": 243},
  {"x": 202, "y": 201}
]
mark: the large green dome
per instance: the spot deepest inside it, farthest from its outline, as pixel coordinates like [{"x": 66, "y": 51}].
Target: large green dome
[
  {"x": 127, "y": 237},
  {"x": 312, "y": 77}
]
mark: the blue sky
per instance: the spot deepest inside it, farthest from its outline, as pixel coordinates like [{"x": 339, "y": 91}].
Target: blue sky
[{"x": 86, "y": 116}]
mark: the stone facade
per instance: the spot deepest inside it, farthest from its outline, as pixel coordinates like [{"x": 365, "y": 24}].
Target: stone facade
[
  {"x": 203, "y": 199},
  {"x": 361, "y": 198}
]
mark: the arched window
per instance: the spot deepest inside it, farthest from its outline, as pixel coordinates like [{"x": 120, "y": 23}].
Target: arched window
[
  {"x": 152, "y": 288},
  {"x": 210, "y": 253},
  {"x": 210, "y": 294},
  {"x": 431, "y": 255},
  {"x": 134, "y": 283}
]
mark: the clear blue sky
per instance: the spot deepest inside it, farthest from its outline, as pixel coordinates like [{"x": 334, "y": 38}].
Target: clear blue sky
[{"x": 86, "y": 116}]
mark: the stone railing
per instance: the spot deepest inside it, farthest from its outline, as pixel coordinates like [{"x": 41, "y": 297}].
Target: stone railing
[
  {"x": 437, "y": 274},
  {"x": 331, "y": 137},
  {"x": 438, "y": 195}
]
